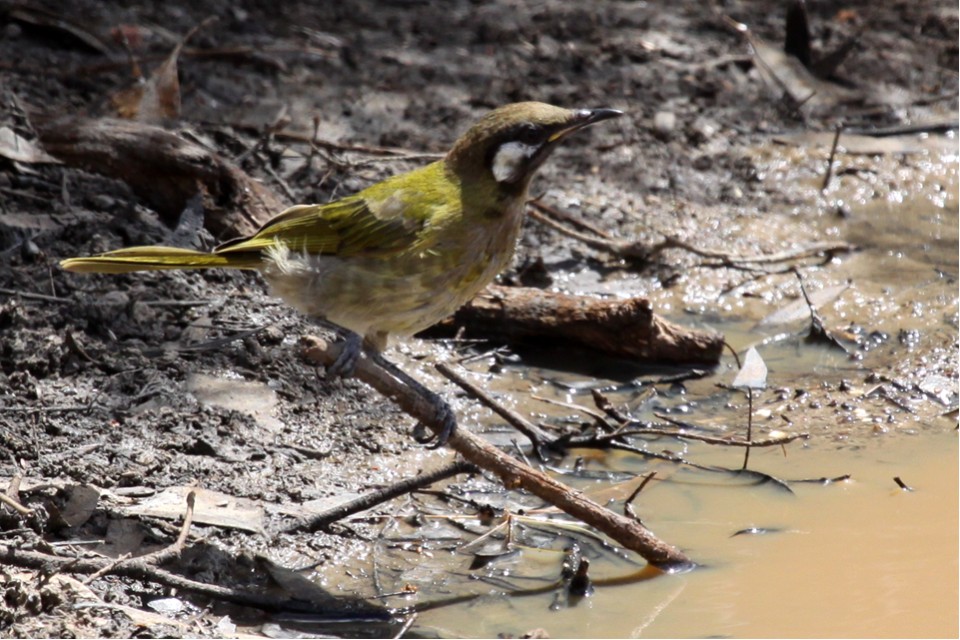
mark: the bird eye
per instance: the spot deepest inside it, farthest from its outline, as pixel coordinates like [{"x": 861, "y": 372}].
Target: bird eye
[{"x": 530, "y": 134}]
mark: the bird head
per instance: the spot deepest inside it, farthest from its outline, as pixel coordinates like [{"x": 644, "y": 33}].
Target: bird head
[{"x": 510, "y": 143}]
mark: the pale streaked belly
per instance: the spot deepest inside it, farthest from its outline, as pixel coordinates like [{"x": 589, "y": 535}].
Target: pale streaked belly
[{"x": 398, "y": 296}]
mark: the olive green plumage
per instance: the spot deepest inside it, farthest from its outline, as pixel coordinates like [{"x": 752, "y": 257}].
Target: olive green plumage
[{"x": 403, "y": 253}]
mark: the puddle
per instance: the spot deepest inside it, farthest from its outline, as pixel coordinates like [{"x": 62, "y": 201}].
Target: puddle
[
  {"x": 855, "y": 558},
  {"x": 861, "y": 558}
]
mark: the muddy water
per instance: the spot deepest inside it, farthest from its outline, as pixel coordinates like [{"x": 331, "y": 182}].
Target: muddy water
[{"x": 859, "y": 557}]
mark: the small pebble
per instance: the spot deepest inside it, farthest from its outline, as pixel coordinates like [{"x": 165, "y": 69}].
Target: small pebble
[{"x": 664, "y": 122}]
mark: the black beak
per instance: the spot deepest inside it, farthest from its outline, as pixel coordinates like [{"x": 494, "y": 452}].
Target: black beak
[
  {"x": 583, "y": 118},
  {"x": 589, "y": 116}
]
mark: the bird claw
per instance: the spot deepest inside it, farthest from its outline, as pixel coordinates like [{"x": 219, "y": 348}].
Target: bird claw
[
  {"x": 346, "y": 362},
  {"x": 445, "y": 416},
  {"x": 449, "y": 421}
]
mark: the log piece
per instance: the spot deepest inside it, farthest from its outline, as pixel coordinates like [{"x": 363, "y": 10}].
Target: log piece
[
  {"x": 623, "y": 328},
  {"x": 164, "y": 169}
]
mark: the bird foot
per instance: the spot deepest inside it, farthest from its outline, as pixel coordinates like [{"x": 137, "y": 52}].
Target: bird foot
[
  {"x": 346, "y": 362},
  {"x": 445, "y": 416}
]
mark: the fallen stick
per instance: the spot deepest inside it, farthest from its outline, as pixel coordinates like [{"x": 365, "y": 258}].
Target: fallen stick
[
  {"x": 164, "y": 169},
  {"x": 622, "y": 328},
  {"x": 318, "y": 521},
  {"x": 11, "y": 555},
  {"x": 512, "y": 472},
  {"x": 642, "y": 252}
]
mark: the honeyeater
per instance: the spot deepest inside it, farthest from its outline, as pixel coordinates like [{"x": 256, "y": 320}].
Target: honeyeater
[{"x": 403, "y": 253}]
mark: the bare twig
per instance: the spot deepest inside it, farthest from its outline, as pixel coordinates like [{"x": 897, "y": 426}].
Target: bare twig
[
  {"x": 27, "y": 295},
  {"x": 603, "y": 403},
  {"x": 833, "y": 153},
  {"x": 513, "y": 473},
  {"x": 15, "y": 505},
  {"x": 321, "y": 520},
  {"x": 406, "y": 625},
  {"x": 552, "y": 214},
  {"x": 687, "y": 435},
  {"x": 157, "y": 558},
  {"x": 537, "y": 437},
  {"x": 600, "y": 419},
  {"x": 11, "y": 555},
  {"x": 628, "y": 503},
  {"x": 56, "y": 409},
  {"x": 746, "y": 451},
  {"x": 903, "y": 485},
  {"x": 638, "y": 250},
  {"x": 731, "y": 260}
]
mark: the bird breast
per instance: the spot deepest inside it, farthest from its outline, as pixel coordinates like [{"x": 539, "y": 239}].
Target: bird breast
[{"x": 403, "y": 293}]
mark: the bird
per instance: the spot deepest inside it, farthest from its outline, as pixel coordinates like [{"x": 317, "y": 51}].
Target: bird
[{"x": 403, "y": 253}]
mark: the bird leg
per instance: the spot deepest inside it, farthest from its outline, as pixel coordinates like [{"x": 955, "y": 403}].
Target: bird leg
[
  {"x": 443, "y": 412},
  {"x": 346, "y": 362}
]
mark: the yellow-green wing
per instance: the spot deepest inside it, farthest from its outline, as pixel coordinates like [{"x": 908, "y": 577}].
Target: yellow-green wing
[{"x": 385, "y": 219}]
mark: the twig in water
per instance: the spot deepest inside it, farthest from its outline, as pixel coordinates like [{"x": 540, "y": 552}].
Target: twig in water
[
  {"x": 628, "y": 504},
  {"x": 818, "y": 329},
  {"x": 687, "y": 435},
  {"x": 406, "y": 625},
  {"x": 521, "y": 424},
  {"x": 603, "y": 403},
  {"x": 902, "y": 484},
  {"x": 746, "y": 451},
  {"x": 833, "y": 153},
  {"x": 600, "y": 419},
  {"x": 640, "y": 251},
  {"x": 512, "y": 472}
]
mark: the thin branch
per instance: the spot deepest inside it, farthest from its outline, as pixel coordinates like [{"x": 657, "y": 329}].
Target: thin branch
[
  {"x": 540, "y": 209},
  {"x": 322, "y": 520},
  {"x": 628, "y": 509},
  {"x": 11, "y": 555},
  {"x": 537, "y": 437},
  {"x": 157, "y": 558},
  {"x": 600, "y": 419},
  {"x": 687, "y": 435},
  {"x": 512, "y": 472},
  {"x": 641, "y": 251},
  {"x": 27, "y": 295},
  {"x": 15, "y": 505},
  {"x": 833, "y": 153}
]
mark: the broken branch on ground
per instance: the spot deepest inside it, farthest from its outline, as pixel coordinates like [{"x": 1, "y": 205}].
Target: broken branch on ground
[
  {"x": 513, "y": 473},
  {"x": 164, "y": 169},
  {"x": 621, "y": 328},
  {"x": 641, "y": 252}
]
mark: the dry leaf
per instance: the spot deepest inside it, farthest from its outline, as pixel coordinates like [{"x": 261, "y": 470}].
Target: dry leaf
[
  {"x": 19, "y": 149},
  {"x": 211, "y": 507},
  {"x": 753, "y": 373},
  {"x": 799, "y": 309},
  {"x": 156, "y": 100}
]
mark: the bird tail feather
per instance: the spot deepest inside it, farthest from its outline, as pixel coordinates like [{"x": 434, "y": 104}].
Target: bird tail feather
[{"x": 159, "y": 258}]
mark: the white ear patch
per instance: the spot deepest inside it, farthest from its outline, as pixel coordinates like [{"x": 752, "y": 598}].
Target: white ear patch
[{"x": 510, "y": 160}]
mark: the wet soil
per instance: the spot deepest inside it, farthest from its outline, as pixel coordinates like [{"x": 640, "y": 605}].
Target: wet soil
[{"x": 123, "y": 383}]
